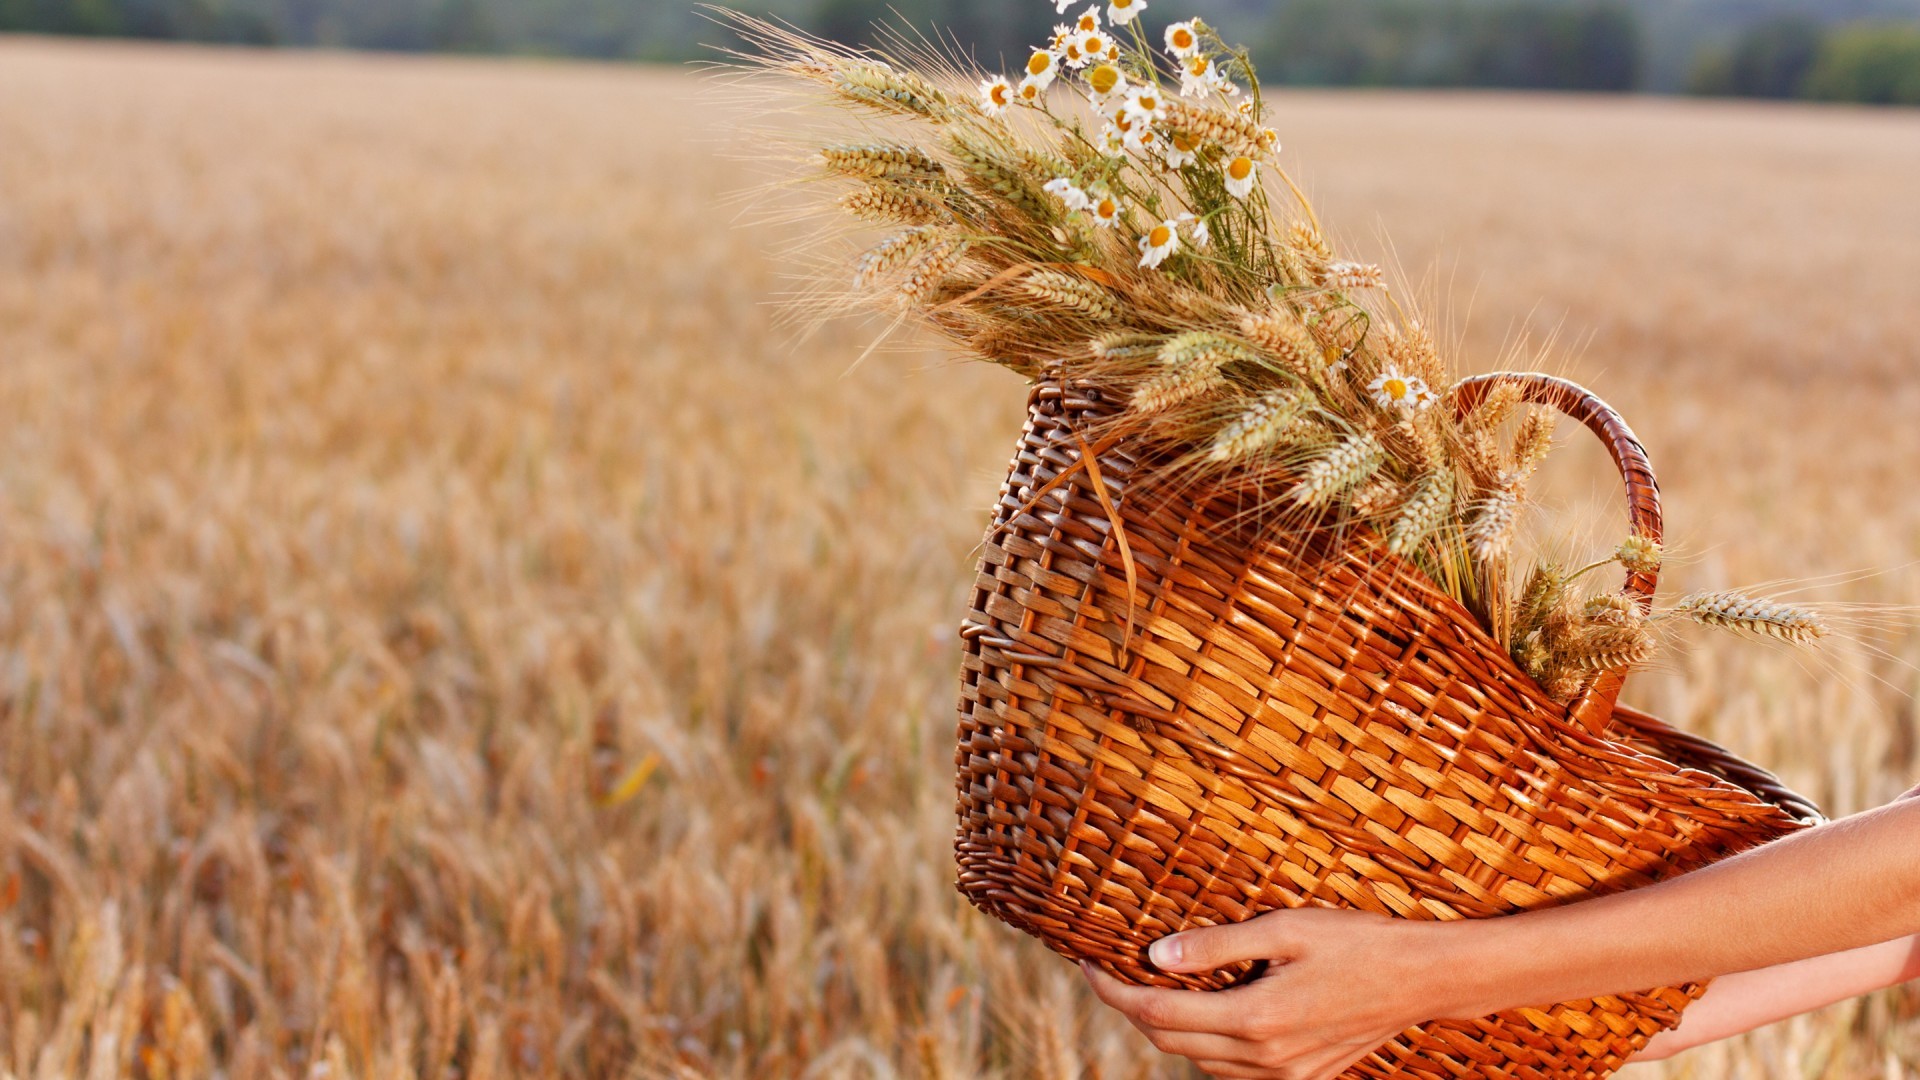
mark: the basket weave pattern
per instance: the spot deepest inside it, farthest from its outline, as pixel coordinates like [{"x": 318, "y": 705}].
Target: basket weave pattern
[{"x": 1302, "y": 721}]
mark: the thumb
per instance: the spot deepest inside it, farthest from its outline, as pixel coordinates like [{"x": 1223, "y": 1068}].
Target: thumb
[{"x": 1210, "y": 947}]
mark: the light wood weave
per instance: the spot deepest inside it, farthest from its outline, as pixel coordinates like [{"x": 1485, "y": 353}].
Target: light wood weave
[{"x": 1303, "y": 721}]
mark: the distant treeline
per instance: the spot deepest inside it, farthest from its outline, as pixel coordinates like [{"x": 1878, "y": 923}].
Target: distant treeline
[
  {"x": 1796, "y": 57},
  {"x": 1796, "y": 48}
]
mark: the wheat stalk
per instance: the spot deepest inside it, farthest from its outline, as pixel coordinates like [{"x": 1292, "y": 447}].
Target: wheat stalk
[
  {"x": 894, "y": 252},
  {"x": 1262, "y": 425},
  {"x": 892, "y": 204},
  {"x": 1074, "y": 294},
  {"x": 1490, "y": 533},
  {"x": 1286, "y": 339},
  {"x": 880, "y": 160},
  {"x": 1753, "y": 615},
  {"x": 1424, "y": 511},
  {"x": 1350, "y": 462}
]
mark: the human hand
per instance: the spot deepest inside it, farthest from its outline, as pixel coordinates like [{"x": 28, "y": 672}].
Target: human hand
[{"x": 1338, "y": 984}]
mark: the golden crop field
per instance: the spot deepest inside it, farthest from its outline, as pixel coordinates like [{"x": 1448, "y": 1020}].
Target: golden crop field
[{"x": 447, "y": 627}]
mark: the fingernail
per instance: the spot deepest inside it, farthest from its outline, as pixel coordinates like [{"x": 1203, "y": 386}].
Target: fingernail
[{"x": 1165, "y": 953}]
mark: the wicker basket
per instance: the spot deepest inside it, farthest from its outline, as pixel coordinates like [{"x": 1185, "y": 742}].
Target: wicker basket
[{"x": 1307, "y": 721}]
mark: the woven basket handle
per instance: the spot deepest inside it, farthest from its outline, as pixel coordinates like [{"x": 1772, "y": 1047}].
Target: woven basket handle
[{"x": 1594, "y": 710}]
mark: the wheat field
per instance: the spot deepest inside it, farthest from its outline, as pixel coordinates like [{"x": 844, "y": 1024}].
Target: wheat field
[{"x": 449, "y": 627}]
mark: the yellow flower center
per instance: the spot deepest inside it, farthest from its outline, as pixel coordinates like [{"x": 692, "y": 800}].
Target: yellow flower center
[
  {"x": 1088, "y": 22},
  {"x": 1396, "y": 389},
  {"x": 1106, "y": 208},
  {"x": 1039, "y": 62},
  {"x": 1104, "y": 78},
  {"x": 1159, "y": 236},
  {"x": 1029, "y": 91},
  {"x": 1182, "y": 142},
  {"x": 1122, "y": 5},
  {"x": 1240, "y": 168},
  {"x": 1091, "y": 45},
  {"x": 1182, "y": 38},
  {"x": 999, "y": 93},
  {"x": 1148, "y": 103},
  {"x": 1198, "y": 66}
]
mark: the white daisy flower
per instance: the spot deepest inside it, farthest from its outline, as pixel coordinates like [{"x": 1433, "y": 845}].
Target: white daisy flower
[
  {"x": 1197, "y": 230},
  {"x": 1105, "y": 210},
  {"x": 1089, "y": 20},
  {"x": 1196, "y": 76},
  {"x": 1143, "y": 140},
  {"x": 1106, "y": 81},
  {"x": 1031, "y": 89},
  {"x": 995, "y": 95},
  {"x": 1062, "y": 33},
  {"x": 1183, "y": 39},
  {"x": 1123, "y": 12},
  {"x": 1143, "y": 103},
  {"x": 1071, "y": 55},
  {"x": 1096, "y": 45},
  {"x": 1270, "y": 140},
  {"x": 1067, "y": 192},
  {"x": 1112, "y": 139},
  {"x": 1180, "y": 150},
  {"x": 1240, "y": 178},
  {"x": 1161, "y": 241},
  {"x": 1042, "y": 66},
  {"x": 1393, "y": 389}
]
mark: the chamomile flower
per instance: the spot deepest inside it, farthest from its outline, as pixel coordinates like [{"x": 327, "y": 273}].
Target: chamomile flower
[
  {"x": 1096, "y": 45},
  {"x": 1143, "y": 140},
  {"x": 1123, "y": 12},
  {"x": 1089, "y": 20},
  {"x": 1196, "y": 74},
  {"x": 1031, "y": 89},
  {"x": 1183, "y": 39},
  {"x": 1070, "y": 53},
  {"x": 995, "y": 95},
  {"x": 1393, "y": 389},
  {"x": 1068, "y": 193},
  {"x": 1104, "y": 208},
  {"x": 1062, "y": 33},
  {"x": 1042, "y": 66},
  {"x": 1112, "y": 138},
  {"x": 1240, "y": 178},
  {"x": 1270, "y": 140},
  {"x": 1144, "y": 104},
  {"x": 1180, "y": 150},
  {"x": 1197, "y": 230},
  {"x": 1105, "y": 81},
  {"x": 1161, "y": 241}
]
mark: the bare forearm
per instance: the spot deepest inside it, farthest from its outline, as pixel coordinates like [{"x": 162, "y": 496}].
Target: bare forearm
[
  {"x": 1750, "y": 999},
  {"x": 1843, "y": 886}
]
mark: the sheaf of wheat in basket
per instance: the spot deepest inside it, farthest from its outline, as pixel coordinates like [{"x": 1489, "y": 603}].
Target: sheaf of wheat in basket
[{"x": 1247, "y": 631}]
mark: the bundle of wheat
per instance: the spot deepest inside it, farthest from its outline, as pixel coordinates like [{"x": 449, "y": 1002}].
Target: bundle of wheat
[{"x": 1243, "y": 636}]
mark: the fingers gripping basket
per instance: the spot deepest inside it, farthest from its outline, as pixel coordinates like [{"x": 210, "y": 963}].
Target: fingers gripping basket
[{"x": 1303, "y": 721}]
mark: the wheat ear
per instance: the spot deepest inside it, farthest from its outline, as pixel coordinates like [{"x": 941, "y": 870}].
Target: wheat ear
[{"x": 1749, "y": 614}]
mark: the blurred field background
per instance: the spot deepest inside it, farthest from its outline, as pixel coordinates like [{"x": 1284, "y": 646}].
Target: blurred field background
[{"x": 448, "y": 629}]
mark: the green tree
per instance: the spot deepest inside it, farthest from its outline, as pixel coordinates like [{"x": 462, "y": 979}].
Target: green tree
[
  {"x": 1877, "y": 65},
  {"x": 1531, "y": 44},
  {"x": 1770, "y": 59}
]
